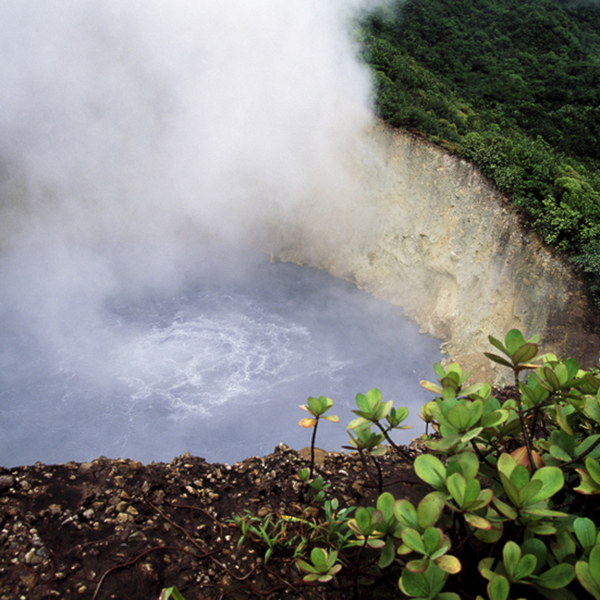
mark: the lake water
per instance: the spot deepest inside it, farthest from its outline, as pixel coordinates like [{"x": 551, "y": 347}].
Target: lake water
[{"x": 217, "y": 369}]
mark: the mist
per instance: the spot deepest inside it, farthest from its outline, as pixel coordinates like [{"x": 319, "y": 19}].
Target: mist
[
  {"x": 146, "y": 147},
  {"x": 141, "y": 141},
  {"x": 184, "y": 118}
]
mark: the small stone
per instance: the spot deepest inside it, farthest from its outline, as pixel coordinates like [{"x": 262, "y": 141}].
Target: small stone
[
  {"x": 121, "y": 507},
  {"x": 319, "y": 455},
  {"x": 29, "y": 580},
  {"x": 124, "y": 518},
  {"x": 125, "y": 495},
  {"x": 357, "y": 487},
  {"x": 137, "y": 536},
  {"x": 6, "y": 481},
  {"x": 31, "y": 558},
  {"x": 88, "y": 514},
  {"x": 132, "y": 510},
  {"x": 311, "y": 512},
  {"x": 86, "y": 466}
]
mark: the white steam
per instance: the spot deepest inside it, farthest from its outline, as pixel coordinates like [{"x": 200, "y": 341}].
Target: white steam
[
  {"x": 134, "y": 136},
  {"x": 144, "y": 144},
  {"x": 170, "y": 119}
]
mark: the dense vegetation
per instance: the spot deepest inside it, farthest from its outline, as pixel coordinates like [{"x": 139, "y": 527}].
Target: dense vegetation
[
  {"x": 512, "y": 501},
  {"x": 512, "y": 85}
]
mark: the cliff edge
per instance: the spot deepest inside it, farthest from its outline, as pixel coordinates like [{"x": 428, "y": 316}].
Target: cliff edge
[{"x": 430, "y": 234}]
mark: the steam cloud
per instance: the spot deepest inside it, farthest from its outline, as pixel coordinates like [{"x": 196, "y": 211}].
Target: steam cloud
[
  {"x": 134, "y": 134},
  {"x": 145, "y": 142},
  {"x": 151, "y": 117}
]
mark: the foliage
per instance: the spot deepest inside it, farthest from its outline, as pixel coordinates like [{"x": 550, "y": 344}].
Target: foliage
[
  {"x": 316, "y": 407},
  {"x": 171, "y": 592},
  {"x": 322, "y": 567},
  {"x": 511, "y": 86},
  {"x": 515, "y": 484},
  {"x": 269, "y": 531}
]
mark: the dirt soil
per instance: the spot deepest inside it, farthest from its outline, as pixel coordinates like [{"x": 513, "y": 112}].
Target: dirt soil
[{"x": 119, "y": 529}]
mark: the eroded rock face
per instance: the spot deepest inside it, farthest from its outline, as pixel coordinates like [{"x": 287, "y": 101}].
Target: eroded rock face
[{"x": 430, "y": 234}]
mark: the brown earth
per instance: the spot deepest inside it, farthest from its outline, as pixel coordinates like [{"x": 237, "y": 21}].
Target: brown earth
[{"x": 119, "y": 529}]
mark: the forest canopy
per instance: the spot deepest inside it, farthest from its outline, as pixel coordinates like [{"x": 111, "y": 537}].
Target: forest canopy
[{"x": 512, "y": 85}]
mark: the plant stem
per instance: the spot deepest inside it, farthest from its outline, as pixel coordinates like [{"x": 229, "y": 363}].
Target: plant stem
[
  {"x": 524, "y": 424},
  {"x": 480, "y": 455},
  {"x": 379, "y": 474},
  {"x": 356, "y": 589},
  {"x": 398, "y": 449},
  {"x": 312, "y": 448},
  {"x": 582, "y": 455}
]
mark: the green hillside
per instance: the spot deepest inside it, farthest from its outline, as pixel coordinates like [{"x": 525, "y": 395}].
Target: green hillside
[{"x": 512, "y": 85}]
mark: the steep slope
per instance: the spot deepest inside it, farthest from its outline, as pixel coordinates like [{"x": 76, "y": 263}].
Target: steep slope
[{"x": 433, "y": 236}]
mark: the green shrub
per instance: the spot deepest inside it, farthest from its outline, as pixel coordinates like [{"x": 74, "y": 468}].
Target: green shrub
[
  {"x": 514, "y": 484},
  {"x": 511, "y": 86}
]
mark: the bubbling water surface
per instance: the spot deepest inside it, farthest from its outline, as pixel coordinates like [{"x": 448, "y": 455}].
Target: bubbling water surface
[{"x": 218, "y": 370}]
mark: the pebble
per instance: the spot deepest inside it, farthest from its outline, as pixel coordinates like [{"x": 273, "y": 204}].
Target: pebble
[
  {"x": 124, "y": 518},
  {"x": 137, "y": 536},
  {"x": 6, "y": 481},
  {"x": 31, "y": 558}
]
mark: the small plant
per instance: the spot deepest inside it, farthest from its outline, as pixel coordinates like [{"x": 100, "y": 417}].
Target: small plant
[
  {"x": 334, "y": 529},
  {"x": 171, "y": 592},
  {"x": 317, "y": 489},
  {"x": 367, "y": 442},
  {"x": 521, "y": 569},
  {"x": 515, "y": 483},
  {"x": 303, "y": 475},
  {"x": 371, "y": 410},
  {"x": 317, "y": 407},
  {"x": 269, "y": 531},
  {"x": 323, "y": 566}
]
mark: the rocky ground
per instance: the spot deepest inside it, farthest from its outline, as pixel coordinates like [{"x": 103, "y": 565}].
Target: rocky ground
[{"x": 119, "y": 529}]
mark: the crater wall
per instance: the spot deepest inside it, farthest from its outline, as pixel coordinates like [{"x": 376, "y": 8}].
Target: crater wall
[{"x": 430, "y": 234}]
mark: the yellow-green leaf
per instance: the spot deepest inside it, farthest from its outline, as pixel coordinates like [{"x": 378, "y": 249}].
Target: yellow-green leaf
[{"x": 449, "y": 564}]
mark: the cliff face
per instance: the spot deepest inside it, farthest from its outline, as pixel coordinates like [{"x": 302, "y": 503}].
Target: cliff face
[{"x": 431, "y": 235}]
